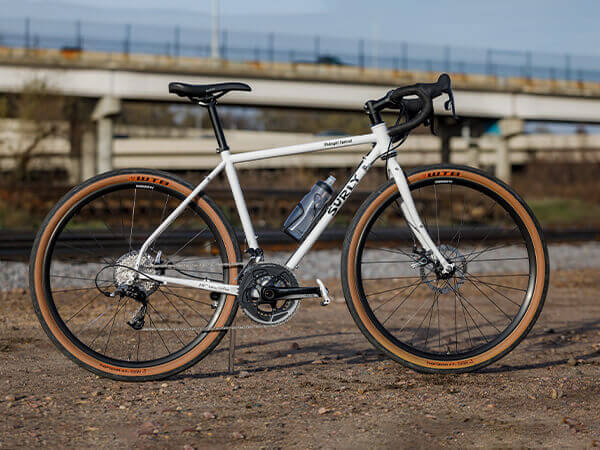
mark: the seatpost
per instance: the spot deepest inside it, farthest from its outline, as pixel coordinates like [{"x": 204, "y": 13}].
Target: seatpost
[{"x": 217, "y": 127}]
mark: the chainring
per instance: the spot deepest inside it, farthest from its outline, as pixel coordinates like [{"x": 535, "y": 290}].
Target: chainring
[{"x": 265, "y": 312}]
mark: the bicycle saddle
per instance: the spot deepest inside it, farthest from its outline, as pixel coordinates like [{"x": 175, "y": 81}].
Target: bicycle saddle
[{"x": 206, "y": 91}]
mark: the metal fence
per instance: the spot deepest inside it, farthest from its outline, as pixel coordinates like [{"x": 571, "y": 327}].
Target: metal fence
[{"x": 177, "y": 42}]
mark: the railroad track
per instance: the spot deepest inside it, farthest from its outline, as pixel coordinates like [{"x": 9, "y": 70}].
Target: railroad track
[{"x": 17, "y": 244}]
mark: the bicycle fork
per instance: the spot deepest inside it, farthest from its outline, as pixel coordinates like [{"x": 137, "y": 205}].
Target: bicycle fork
[{"x": 412, "y": 216}]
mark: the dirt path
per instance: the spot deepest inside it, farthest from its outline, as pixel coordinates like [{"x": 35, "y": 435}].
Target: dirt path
[{"x": 314, "y": 383}]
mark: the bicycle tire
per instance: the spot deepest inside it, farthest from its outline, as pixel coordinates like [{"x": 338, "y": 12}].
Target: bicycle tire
[
  {"x": 426, "y": 360},
  {"x": 41, "y": 260}
]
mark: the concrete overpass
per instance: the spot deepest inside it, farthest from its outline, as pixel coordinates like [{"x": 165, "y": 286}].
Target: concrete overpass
[
  {"x": 114, "y": 77},
  {"x": 145, "y": 77}
]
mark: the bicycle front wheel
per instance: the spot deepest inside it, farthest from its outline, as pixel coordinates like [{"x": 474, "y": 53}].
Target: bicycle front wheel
[
  {"x": 425, "y": 319},
  {"x": 85, "y": 252}
]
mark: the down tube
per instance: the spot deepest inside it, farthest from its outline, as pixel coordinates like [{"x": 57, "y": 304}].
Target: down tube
[{"x": 332, "y": 210}]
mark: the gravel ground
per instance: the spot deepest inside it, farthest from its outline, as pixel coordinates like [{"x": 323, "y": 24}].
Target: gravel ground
[
  {"x": 316, "y": 383},
  {"x": 325, "y": 264}
]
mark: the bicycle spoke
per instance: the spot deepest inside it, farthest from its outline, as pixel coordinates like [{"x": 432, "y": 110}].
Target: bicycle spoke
[
  {"x": 117, "y": 309},
  {"x": 179, "y": 312},
  {"x": 388, "y": 290},
  {"x": 397, "y": 294},
  {"x": 132, "y": 218},
  {"x": 83, "y": 307},
  {"x": 392, "y": 261},
  {"x": 73, "y": 290},
  {"x": 427, "y": 314},
  {"x": 492, "y": 301},
  {"x": 391, "y": 278},
  {"x": 455, "y": 327},
  {"x": 158, "y": 332},
  {"x": 188, "y": 242},
  {"x": 166, "y": 323},
  {"x": 498, "y": 292},
  {"x": 108, "y": 227},
  {"x": 437, "y": 224},
  {"x": 401, "y": 303},
  {"x": 182, "y": 298},
  {"x": 78, "y": 278},
  {"x": 487, "y": 283},
  {"x": 104, "y": 260},
  {"x": 398, "y": 251},
  {"x": 137, "y": 350},
  {"x": 471, "y": 305},
  {"x": 112, "y": 326}
]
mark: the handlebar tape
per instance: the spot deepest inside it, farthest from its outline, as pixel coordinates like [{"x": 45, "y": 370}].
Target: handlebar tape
[{"x": 418, "y": 110}]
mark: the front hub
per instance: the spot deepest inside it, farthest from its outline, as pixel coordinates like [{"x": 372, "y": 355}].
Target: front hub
[{"x": 442, "y": 283}]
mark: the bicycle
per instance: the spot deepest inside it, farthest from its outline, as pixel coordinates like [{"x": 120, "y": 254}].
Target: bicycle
[{"x": 137, "y": 275}]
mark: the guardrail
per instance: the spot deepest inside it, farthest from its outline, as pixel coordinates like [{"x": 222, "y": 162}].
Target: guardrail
[
  {"x": 73, "y": 37},
  {"x": 197, "y": 152}
]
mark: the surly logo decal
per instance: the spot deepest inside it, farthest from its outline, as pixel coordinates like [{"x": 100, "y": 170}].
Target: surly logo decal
[
  {"x": 341, "y": 198},
  {"x": 148, "y": 179}
]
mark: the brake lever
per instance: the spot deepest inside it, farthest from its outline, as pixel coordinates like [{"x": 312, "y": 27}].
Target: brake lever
[
  {"x": 450, "y": 104},
  {"x": 430, "y": 122}
]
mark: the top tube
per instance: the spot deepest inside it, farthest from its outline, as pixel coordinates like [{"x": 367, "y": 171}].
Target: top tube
[{"x": 346, "y": 141}]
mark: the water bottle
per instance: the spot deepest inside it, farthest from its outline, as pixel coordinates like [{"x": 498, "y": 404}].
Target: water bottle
[{"x": 304, "y": 214}]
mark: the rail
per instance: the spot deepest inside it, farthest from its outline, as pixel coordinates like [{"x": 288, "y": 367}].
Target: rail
[
  {"x": 16, "y": 245},
  {"x": 176, "y": 42}
]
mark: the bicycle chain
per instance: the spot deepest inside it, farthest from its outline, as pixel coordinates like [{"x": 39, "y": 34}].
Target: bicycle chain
[
  {"x": 206, "y": 330},
  {"x": 191, "y": 266}
]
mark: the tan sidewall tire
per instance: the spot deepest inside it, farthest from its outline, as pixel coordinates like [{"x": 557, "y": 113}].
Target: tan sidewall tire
[
  {"x": 357, "y": 308},
  {"x": 41, "y": 302}
]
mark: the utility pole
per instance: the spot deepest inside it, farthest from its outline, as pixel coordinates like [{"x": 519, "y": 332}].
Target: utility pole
[{"x": 214, "y": 44}]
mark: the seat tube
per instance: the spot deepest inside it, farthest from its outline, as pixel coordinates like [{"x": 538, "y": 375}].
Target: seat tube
[{"x": 240, "y": 202}]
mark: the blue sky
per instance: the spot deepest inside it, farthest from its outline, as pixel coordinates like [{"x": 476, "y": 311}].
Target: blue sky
[{"x": 555, "y": 26}]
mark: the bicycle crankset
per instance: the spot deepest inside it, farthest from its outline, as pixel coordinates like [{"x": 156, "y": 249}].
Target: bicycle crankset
[{"x": 263, "y": 278}]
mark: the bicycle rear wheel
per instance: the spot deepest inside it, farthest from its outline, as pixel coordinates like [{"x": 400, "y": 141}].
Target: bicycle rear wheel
[
  {"x": 428, "y": 321},
  {"x": 85, "y": 250}
]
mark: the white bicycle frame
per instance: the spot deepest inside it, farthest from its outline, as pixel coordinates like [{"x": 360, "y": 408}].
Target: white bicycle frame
[{"x": 379, "y": 137}]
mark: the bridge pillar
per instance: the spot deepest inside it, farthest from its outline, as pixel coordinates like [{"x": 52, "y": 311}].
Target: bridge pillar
[
  {"x": 472, "y": 146},
  {"x": 88, "y": 155},
  {"x": 447, "y": 127},
  {"x": 503, "y": 169},
  {"x": 104, "y": 112},
  {"x": 509, "y": 128}
]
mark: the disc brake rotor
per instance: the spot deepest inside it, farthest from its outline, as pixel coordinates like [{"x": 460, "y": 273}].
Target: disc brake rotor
[{"x": 452, "y": 283}]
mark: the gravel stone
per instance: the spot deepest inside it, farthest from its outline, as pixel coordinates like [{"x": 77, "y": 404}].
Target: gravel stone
[{"x": 325, "y": 264}]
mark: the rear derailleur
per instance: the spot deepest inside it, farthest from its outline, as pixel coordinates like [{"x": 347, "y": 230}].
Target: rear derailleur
[{"x": 137, "y": 321}]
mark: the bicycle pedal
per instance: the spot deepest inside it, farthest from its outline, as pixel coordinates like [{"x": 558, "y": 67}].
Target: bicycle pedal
[{"x": 326, "y": 299}]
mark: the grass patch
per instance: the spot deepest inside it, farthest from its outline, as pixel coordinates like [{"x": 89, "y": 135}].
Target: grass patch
[
  {"x": 13, "y": 218},
  {"x": 558, "y": 211}
]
